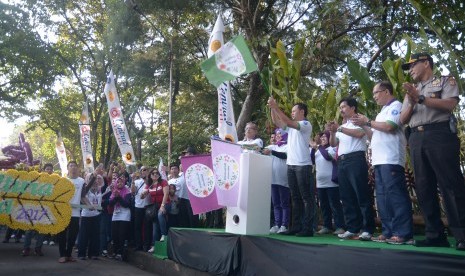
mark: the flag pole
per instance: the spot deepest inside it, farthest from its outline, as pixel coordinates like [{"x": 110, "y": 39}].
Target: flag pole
[{"x": 170, "y": 111}]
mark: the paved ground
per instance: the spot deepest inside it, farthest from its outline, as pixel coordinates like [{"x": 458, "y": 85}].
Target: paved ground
[{"x": 12, "y": 263}]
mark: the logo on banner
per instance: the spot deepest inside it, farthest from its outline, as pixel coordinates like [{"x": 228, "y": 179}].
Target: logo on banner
[
  {"x": 226, "y": 171},
  {"x": 200, "y": 180},
  {"x": 114, "y": 112}
]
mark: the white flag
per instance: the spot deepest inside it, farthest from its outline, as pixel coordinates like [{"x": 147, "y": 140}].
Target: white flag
[
  {"x": 226, "y": 121},
  {"x": 61, "y": 155},
  {"x": 117, "y": 121},
  {"x": 86, "y": 146},
  {"x": 161, "y": 169}
]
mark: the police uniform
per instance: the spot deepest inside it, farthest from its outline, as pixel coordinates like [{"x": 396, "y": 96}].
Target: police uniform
[{"x": 435, "y": 155}]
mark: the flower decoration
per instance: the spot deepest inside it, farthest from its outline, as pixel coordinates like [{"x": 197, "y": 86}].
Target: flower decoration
[{"x": 35, "y": 201}]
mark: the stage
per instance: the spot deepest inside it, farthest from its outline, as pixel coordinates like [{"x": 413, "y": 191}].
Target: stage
[{"x": 220, "y": 253}]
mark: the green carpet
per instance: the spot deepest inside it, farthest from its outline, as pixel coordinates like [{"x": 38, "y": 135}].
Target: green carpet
[{"x": 160, "y": 248}]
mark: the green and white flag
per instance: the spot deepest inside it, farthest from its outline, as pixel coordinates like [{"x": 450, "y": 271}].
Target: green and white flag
[{"x": 229, "y": 62}]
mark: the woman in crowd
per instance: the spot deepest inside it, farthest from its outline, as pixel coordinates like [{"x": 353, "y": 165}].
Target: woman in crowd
[
  {"x": 120, "y": 201},
  {"x": 89, "y": 240},
  {"x": 158, "y": 190},
  {"x": 323, "y": 156},
  {"x": 280, "y": 193}
]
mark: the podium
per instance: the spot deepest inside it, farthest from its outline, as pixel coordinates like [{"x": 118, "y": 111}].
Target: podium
[{"x": 252, "y": 216}]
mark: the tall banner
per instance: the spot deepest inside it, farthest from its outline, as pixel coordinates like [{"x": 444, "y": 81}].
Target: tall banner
[
  {"x": 226, "y": 122},
  {"x": 61, "y": 155},
  {"x": 86, "y": 146},
  {"x": 200, "y": 183},
  {"x": 226, "y": 163},
  {"x": 117, "y": 121},
  {"x": 162, "y": 170}
]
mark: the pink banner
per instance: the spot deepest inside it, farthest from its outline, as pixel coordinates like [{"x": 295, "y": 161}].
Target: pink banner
[
  {"x": 226, "y": 163},
  {"x": 200, "y": 183}
]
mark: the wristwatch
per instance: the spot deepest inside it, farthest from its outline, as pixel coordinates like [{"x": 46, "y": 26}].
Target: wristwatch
[
  {"x": 368, "y": 123},
  {"x": 339, "y": 129},
  {"x": 421, "y": 99}
]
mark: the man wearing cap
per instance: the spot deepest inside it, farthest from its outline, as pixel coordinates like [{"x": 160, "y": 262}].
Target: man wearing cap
[{"x": 434, "y": 150}]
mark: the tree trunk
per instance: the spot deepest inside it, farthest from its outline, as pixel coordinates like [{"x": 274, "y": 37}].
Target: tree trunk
[{"x": 250, "y": 103}]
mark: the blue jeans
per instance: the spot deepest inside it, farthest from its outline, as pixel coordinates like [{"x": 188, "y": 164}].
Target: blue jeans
[
  {"x": 160, "y": 225},
  {"x": 393, "y": 201},
  {"x": 301, "y": 185},
  {"x": 330, "y": 205},
  {"x": 28, "y": 239},
  {"x": 280, "y": 196},
  {"x": 355, "y": 195}
]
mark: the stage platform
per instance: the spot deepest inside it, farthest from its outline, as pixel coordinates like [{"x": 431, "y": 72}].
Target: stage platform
[{"x": 220, "y": 253}]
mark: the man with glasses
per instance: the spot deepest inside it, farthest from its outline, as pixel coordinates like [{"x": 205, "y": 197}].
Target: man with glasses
[
  {"x": 137, "y": 188},
  {"x": 434, "y": 150},
  {"x": 388, "y": 159}
]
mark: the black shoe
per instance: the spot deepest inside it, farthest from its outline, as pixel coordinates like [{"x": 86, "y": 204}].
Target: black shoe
[
  {"x": 304, "y": 234},
  {"x": 434, "y": 242},
  {"x": 460, "y": 245},
  {"x": 290, "y": 232}
]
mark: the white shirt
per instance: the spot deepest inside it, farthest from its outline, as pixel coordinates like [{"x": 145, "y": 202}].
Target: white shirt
[
  {"x": 76, "y": 200},
  {"x": 349, "y": 144},
  {"x": 279, "y": 167},
  {"x": 95, "y": 199},
  {"x": 298, "y": 153},
  {"x": 256, "y": 141},
  {"x": 324, "y": 169},
  {"x": 139, "y": 202},
  {"x": 389, "y": 147},
  {"x": 121, "y": 213},
  {"x": 181, "y": 187}
]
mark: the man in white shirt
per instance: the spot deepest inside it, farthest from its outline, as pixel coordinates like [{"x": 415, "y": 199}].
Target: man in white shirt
[
  {"x": 67, "y": 238},
  {"x": 353, "y": 173},
  {"x": 186, "y": 217},
  {"x": 388, "y": 158},
  {"x": 299, "y": 169},
  {"x": 137, "y": 188}
]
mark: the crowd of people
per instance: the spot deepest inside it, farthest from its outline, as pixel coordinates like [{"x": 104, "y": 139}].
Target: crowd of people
[
  {"x": 338, "y": 155},
  {"x": 122, "y": 208},
  {"x": 110, "y": 212}
]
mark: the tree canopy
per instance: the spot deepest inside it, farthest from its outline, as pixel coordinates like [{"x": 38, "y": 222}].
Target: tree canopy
[{"x": 55, "y": 55}]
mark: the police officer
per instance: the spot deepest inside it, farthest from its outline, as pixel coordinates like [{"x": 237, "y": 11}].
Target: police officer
[{"x": 434, "y": 150}]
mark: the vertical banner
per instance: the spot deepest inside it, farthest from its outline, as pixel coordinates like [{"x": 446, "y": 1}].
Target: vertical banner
[
  {"x": 162, "y": 170},
  {"x": 86, "y": 146},
  {"x": 200, "y": 183},
  {"x": 226, "y": 122},
  {"x": 61, "y": 155},
  {"x": 226, "y": 163},
  {"x": 117, "y": 121}
]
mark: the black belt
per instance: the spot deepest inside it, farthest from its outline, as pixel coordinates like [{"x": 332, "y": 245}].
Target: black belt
[
  {"x": 351, "y": 154},
  {"x": 435, "y": 126}
]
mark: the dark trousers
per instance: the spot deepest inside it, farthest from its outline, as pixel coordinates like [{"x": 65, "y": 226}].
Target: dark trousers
[
  {"x": 301, "y": 185},
  {"x": 67, "y": 238},
  {"x": 89, "y": 237},
  {"x": 331, "y": 207},
  {"x": 105, "y": 230},
  {"x": 142, "y": 229},
  {"x": 119, "y": 233},
  {"x": 435, "y": 156},
  {"x": 393, "y": 201},
  {"x": 186, "y": 217},
  {"x": 355, "y": 195}
]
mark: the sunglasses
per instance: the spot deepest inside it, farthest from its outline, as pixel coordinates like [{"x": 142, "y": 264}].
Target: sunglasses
[{"x": 155, "y": 173}]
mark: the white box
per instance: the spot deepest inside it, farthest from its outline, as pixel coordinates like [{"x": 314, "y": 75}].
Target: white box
[{"x": 252, "y": 216}]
